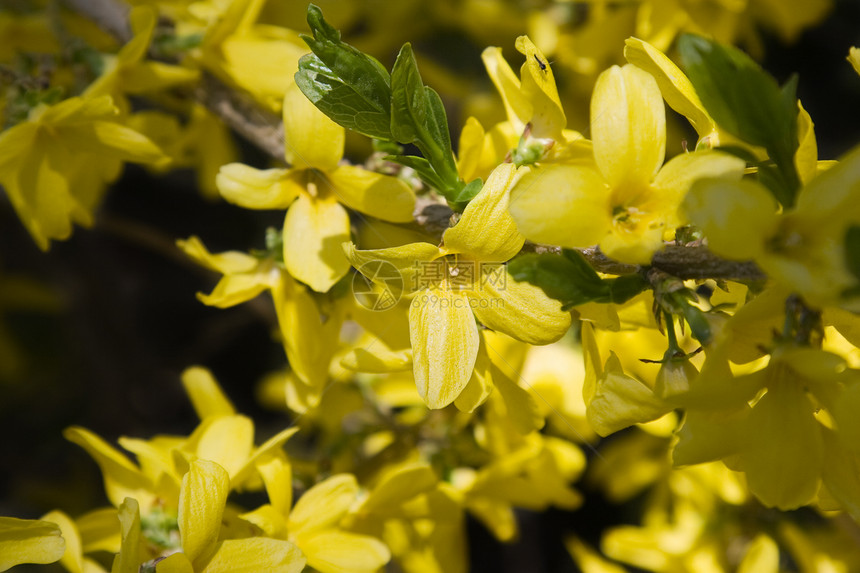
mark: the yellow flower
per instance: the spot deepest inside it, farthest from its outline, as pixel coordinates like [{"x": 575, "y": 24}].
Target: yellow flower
[
  {"x": 779, "y": 441},
  {"x": 128, "y": 73},
  {"x": 531, "y": 99},
  {"x": 29, "y": 541},
  {"x": 314, "y": 524},
  {"x": 803, "y": 248},
  {"x": 202, "y": 500},
  {"x": 615, "y": 400},
  {"x": 55, "y": 165},
  {"x": 259, "y": 58},
  {"x": 622, "y": 200},
  {"x": 417, "y": 516},
  {"x": 534, "y": 475},
  {"x": 73, "y": 559},
  {"x": 461, "y": 280},
  {"x": 313, "y": 190}
]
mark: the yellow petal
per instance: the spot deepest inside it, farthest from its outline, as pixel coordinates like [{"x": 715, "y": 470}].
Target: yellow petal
[
  {"x": 73, "y": 558},
  {"x": 841, "y": 474},
  {"x": 398, "y": 486},
  {"x": 445, "y": 342},
  {"x": 129, "y": 558},
  {"x": 470, "y": 148},
  {"x": 271, "y": 449},
  {"x": 342, "y": 552},
  {"x": 806, "y": 156},
  {"x": 122, "y": 478},
  {"x": 736, "y": 218},
  {"x": 278, "y": 477},
  {"x": 675, "y": 178},
  {"x": 29, "y": 541},
  {"x": 589, "y": 560},
  {"x": 405, "y": 273},
  {"x": 311, "y": 139},
  {"x": 255, "y": 554},
  {"x": 497, "y": 516},
  {"x": 176, "y": 563},
  {"x": 377, "y": 359},
  {"x": 324, "y": 505},
  {"x": 201, "y": 505},
  {"x": 519, "y": 309},
  {"x": 854, "y": 58},
  {"x": 100, "y": 531},
  {"x": 148, "y": 77},
  {"x": 628, "y": 126},
  {"x": 314, "y": 230},
  {"x": 480, "y": 385},
  {"x": 830, "y": 197},
  {"x": 308, "y": 342},
  {"x": 381, "y": 196},
  {"x": 206, "y": 396},
  {"x": 486, "y": 231},
  {"x": 517, "y": 106},
  {"x": 228, "y": 441},
  {"x": 226, "y": 263},
  {"x": 560, "y": 204},
  {"x": 109, "y": 137},
  {"x": 39, "y": 187},
  {"x": 271, "y": 521},
  {"x": 762, "y": 556},
  {"x": 708, "y": 436},
  {"x": 538, "y": 86},
  {"x": 783, "y": 450},
  {"x": 522, "y": 410},
  {"x": 620, "y": 401},
  {"x": 674, "y": 85},
  {"x": 256, "y": 188}
]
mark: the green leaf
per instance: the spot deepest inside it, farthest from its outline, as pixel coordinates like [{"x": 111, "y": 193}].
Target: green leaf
[
  {"x": 468, "y": 192},
  {"x": 349, "y": 86},
  {"x": 408, "y": 99},
  {"x": 571, "y": 280},
  {"x": 748, "y": 103}
]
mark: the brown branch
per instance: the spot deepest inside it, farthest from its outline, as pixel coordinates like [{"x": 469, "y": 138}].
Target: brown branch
[
  {"x": 681, "y": 261},
  {"x": 260, "y": 127}
]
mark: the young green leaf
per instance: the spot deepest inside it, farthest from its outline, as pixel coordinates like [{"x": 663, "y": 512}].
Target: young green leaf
[
  {"x": 571, "y": 280},
  {"x": 349, "y": 86},
  {"x": 408, "y": 100}
]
